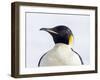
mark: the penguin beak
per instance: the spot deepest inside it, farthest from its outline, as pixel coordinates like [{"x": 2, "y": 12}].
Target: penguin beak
[
  {"x": 44, "y": 29},
  {"x": 50, "y": 30}
]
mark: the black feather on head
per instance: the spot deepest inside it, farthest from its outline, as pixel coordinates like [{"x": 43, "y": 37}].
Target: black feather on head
[{"x": 59, "y": 33}]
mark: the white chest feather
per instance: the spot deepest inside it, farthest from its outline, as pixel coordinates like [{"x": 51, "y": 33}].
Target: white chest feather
[{"x": 60, "y": 55}]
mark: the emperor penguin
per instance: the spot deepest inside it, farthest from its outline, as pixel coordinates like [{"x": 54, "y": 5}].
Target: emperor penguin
[{"x": 62, "y": 53}]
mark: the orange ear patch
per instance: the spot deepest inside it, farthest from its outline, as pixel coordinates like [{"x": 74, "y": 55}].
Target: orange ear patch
[{"x": 70, "y": 39}]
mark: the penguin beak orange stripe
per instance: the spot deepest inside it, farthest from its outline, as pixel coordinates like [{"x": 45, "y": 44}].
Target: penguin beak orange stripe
[{"x": 49, "y": 30}]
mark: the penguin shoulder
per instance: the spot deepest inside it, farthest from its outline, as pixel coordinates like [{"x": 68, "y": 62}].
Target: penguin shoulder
[{"x": 76, "y": 59}]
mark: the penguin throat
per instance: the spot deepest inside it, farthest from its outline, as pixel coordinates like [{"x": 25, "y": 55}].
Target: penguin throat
[
  {"x": 64, "y": 40},
  {"x": 61, "y": 40}
]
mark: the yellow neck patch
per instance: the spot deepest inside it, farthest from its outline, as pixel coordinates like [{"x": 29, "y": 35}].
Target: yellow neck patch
[{"x": 70, "y": 39}]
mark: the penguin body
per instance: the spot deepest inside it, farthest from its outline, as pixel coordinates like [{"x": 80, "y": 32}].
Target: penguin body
[{"x": 62, "y": 53}]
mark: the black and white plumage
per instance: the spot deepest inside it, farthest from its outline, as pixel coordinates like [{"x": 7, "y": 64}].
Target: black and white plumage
[{"x": 62, "y": 53}]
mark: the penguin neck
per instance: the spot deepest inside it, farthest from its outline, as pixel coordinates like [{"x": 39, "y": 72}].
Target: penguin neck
[
  {"x": 62, "y": 45},
  {"x": 61, "y": 49}
]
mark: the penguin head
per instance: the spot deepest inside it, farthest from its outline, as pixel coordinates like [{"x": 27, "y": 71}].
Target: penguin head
[{"x": 60, "y": 34}]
